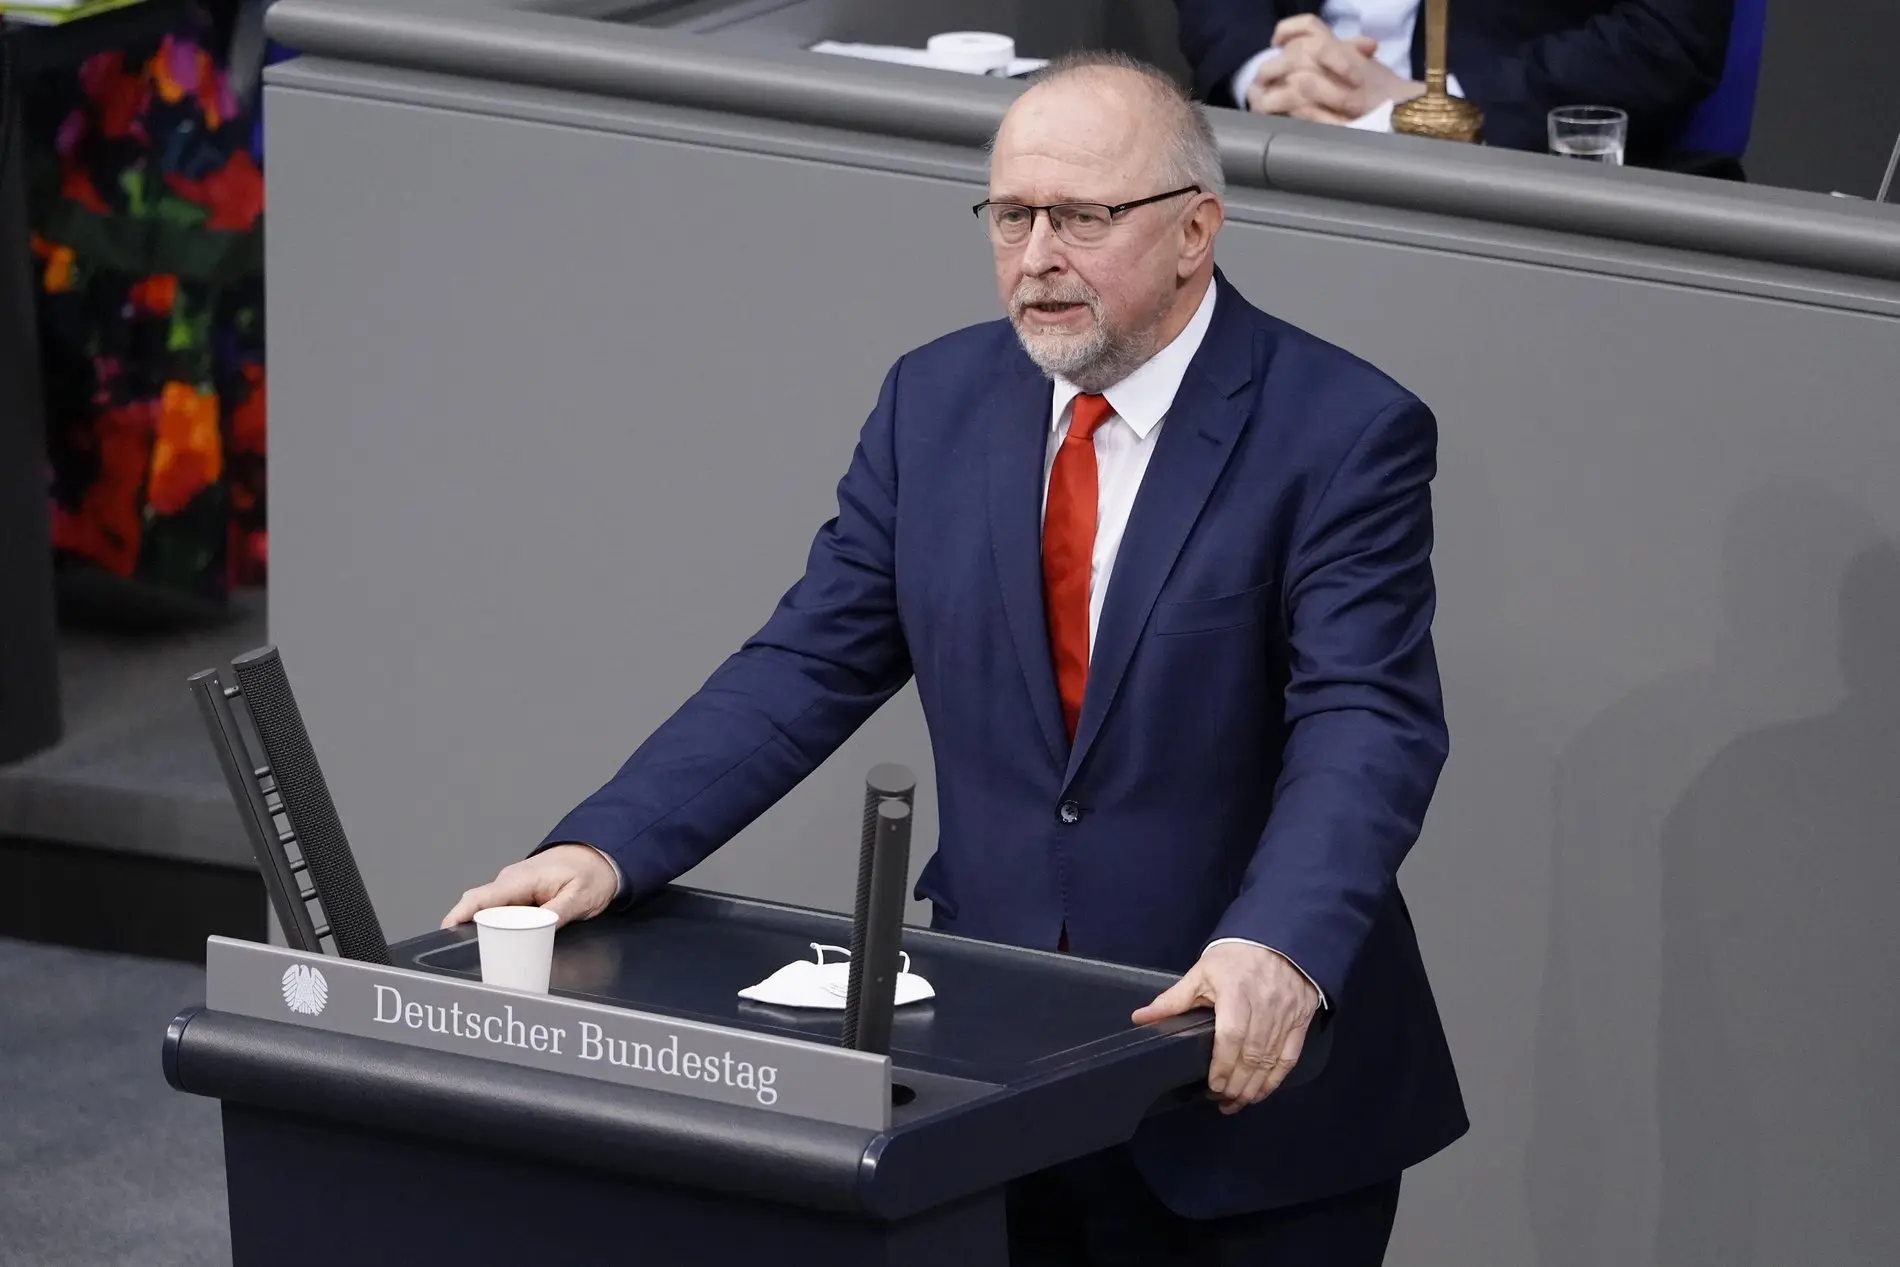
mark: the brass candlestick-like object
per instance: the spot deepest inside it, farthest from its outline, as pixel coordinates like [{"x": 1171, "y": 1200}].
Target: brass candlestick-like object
[{"x": 1437, "y": 113}]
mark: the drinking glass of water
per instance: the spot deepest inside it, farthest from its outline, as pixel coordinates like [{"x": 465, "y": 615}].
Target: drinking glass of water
[{"x": 1593, "y": 133}]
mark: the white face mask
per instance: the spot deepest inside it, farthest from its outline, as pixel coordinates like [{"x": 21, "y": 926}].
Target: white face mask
[{"x": 809, "y": 983}]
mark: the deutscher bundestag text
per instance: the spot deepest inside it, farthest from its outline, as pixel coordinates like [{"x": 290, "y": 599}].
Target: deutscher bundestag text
[{"x": 595, "y": 1043}]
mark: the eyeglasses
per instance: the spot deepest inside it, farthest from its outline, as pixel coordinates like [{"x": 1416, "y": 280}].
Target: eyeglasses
[{"x": 1077, "y": 223}]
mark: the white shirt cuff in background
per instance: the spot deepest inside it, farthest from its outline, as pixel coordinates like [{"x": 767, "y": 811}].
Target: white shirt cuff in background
[
  {"x": 1221, "y": 941},
  {"x": 1244, "y": 77}
]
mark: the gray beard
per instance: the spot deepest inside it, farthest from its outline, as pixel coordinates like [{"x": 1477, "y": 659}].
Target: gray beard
[{"x": 1095, "y": 363}]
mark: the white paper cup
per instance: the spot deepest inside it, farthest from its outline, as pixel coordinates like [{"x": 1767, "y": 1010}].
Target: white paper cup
[
  {"x": 517, "y": 945},
  {"x": 978, "y": 51}
]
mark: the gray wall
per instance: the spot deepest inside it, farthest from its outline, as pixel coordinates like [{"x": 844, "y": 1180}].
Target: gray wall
[
  {"x": 1828, "y": 107},
  {"x": 556, "y": 409},
  {"x": 1655, "y": 869}
]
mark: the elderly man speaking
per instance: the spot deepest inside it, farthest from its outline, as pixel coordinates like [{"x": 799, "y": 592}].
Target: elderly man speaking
[{"x": 1160, "y": 566}]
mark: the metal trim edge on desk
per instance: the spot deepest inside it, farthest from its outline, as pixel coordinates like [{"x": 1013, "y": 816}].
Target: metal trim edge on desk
[{"x": 482, "y": 1104}]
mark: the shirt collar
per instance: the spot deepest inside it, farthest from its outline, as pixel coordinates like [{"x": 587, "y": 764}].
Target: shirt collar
[{"x": 1142, "y": 399}]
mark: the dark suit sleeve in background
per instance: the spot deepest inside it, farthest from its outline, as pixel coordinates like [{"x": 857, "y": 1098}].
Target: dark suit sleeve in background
[
  {"x": 829, "y": 656},
  {"x": 1656, "y": 59},
  {"x": 1366, "y": 732}
]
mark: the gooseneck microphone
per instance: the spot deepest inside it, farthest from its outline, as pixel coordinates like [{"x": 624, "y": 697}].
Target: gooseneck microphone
[{"x": 877, "y": 924}]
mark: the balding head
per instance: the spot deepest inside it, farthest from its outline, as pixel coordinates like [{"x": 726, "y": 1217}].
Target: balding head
[
  {"x": 1095, "y": 300},
  {"x": 1179, "y": 141}
]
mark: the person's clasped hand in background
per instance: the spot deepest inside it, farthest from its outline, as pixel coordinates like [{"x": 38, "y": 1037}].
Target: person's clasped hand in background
[
  {"x": 1347, "y": 61},
  {"x": 1315, "y": 75}
]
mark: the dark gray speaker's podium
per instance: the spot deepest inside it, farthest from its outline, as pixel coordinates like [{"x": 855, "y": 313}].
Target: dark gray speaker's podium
[
  {"x": 383, "y": 1105},
  {"x": 465, "y": 1132}
]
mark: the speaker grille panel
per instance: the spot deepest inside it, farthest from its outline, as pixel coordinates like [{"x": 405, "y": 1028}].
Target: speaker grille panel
[{"x": 306, "y": 804}]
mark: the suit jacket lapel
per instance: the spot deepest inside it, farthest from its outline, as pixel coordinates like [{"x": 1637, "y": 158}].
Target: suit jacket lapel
[
  {"x": 1192, "y": 450},
  {"x": 1018, "y": 443}
]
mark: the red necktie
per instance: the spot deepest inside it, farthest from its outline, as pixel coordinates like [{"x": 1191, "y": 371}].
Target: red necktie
[{"x": 1068, "y": 547}]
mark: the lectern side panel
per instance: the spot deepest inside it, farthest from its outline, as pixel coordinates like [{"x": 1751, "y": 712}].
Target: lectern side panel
[{"x": 307, "y": 1193}]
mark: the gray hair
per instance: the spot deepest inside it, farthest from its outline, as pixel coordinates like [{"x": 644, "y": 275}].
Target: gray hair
[{"x": 1193, "y": 155}]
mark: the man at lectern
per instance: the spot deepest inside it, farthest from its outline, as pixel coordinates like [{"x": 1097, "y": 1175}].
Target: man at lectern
[{"x": 1160, "y": 566}]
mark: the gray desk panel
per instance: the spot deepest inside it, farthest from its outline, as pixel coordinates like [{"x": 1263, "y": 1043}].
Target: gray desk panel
[
  {"x": 1663, "y": 208},
  {"x": 499, "y": 43},
  {"x": 547, "y": 445},
  {"x": 1292, "y": 210}
]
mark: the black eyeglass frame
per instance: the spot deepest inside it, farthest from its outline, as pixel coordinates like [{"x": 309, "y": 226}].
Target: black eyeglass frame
[{"x": 1113, "y": 211}]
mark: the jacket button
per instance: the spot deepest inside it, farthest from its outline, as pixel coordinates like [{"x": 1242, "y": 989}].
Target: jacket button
[{"x": 1070, "y": 812}]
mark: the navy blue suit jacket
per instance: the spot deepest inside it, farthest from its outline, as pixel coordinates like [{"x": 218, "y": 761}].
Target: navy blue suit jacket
[
  {"x": 1518, "y": 59},
  {"x": 1259, "y": 737}
]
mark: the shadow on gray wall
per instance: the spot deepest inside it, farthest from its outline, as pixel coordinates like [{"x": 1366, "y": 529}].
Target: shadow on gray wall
[{"x": 1717, "y": 1015}]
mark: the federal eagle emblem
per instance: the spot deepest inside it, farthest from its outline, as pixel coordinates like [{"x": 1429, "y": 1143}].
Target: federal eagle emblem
[{"x": 305, "y": 990}]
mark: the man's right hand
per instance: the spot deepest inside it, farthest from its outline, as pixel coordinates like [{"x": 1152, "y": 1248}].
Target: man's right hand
[{"x": 574, "y": 881}]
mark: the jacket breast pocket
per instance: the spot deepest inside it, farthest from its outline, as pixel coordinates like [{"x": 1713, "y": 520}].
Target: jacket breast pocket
[{"x": 1203, "y": 615}]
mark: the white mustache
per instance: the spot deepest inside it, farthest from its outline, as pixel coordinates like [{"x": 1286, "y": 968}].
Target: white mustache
[{"x": 1026, "y": 296}]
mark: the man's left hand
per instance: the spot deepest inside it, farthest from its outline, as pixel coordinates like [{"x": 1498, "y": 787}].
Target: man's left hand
[{"x": 1262, "y": 1006}]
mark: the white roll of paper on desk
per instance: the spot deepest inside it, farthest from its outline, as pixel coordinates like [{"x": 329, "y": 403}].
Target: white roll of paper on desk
[
  {"x": 965, "y": 52},
  {"x": 981, "y": 52}
]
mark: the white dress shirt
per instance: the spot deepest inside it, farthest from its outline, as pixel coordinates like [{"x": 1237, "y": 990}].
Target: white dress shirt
[
  {"x": 1123, "y": 444},
  {"x": 1388, "y": 21}
]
